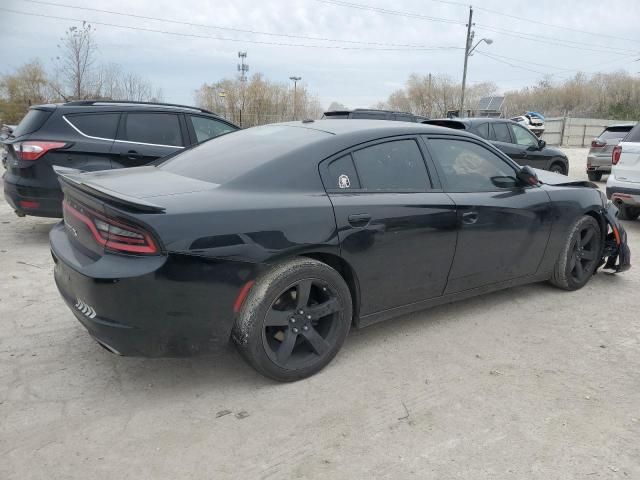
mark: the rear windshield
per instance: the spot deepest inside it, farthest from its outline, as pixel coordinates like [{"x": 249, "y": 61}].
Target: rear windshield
[
  {"x": 615, "y": 132},
  {"x": 31, "y": 122},
  {"x": 634, "y": 134},
  {"x": 224, "y": 158}
]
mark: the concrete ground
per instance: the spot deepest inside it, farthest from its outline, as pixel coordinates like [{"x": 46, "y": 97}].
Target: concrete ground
[{"x": 527, "y": 383}]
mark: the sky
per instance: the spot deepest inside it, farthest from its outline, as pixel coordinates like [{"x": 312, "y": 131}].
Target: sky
[{"x": 355, "y": 52}]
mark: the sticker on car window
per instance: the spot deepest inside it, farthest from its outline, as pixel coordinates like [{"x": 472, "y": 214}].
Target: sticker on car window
[{"x": 343, "y": 181}]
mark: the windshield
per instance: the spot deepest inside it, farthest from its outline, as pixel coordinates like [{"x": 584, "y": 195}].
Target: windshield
[{"x": 222, "y": 159}]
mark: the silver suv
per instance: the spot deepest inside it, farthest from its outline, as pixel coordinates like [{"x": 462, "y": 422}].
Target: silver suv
[
  {"x": 623, "y": 185},
  {"x": 599, "y": 158}
]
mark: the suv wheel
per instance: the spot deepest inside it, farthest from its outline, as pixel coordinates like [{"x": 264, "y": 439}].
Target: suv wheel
[
  {"x": 557, "y": 168},
  {"x": 626, "y": 212},
  {"x": 594, "y": 176}
]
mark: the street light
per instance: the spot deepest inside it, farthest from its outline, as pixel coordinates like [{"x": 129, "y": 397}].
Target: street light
[
  {"x": 295, "y": 85},
  {"x": 467, "y": 54}
]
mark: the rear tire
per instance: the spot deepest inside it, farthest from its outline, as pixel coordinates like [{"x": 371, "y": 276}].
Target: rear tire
[
  {"x": 594, "y": 176},
  {"x": 294, "y": 320},
  {"x": 628, "y": 213},
  {"x": 579, "y": 256}
]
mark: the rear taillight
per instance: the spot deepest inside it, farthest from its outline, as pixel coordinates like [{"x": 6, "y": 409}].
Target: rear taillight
[
  {"x": 595, "y": 143},
  {"x": 33, "y": 150},
  {"x": 615, "y": 155},
  {"x": 112, "y": 234}
]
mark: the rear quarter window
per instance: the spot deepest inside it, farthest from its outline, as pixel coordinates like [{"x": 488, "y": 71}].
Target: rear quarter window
[
  {"x": 32, "y": 121},
  {"x": 101, "y": 125}
]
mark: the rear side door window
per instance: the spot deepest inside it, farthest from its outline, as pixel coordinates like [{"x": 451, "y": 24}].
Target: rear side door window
[
  {"x": 395, "y": 166},
  {"x": 206, "y": 128},
  {"x": 499, "y": 132},
  {"x": 97, "y": 125},
  {"x": 342, "y": 175},
  {"x": 469, "y": 167},
  {"x": 153, "y": 128}
]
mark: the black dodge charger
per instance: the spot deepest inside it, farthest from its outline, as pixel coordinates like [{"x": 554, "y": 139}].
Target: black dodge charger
[{"x": 282, "y": 237}]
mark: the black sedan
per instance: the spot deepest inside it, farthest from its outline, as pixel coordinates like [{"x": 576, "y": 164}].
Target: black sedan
[
  {"x": 518, "y": 142},
  {"x": 283, "y": 237}
]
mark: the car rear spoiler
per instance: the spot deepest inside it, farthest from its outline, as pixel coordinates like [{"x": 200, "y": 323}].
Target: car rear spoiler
[{"x": 73, "y": 178}]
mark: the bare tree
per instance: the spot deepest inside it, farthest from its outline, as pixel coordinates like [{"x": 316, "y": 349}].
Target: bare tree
[
  {"x": 27, "y": 86},
  {"x": 77, "y": 56}
]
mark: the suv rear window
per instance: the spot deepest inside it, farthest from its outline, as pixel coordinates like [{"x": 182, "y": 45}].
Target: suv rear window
[
  {"x": 102, "y": 125},
  {"x": 31, "y": 122},
  {"x": 634, "y": 134},
  {"x": 615, "y": 132}
]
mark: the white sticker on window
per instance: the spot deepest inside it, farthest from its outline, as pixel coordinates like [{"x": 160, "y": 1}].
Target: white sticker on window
[{"x": 343, "y": 181}]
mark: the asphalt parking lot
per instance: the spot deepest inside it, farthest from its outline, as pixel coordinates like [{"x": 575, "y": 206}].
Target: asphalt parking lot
[{"x": 530, "y": 382}]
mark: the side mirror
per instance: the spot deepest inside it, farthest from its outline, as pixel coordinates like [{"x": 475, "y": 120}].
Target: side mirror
[
  {"x": 504, "y": 182},
  {"x": 527, "y": 176},
  {"x": 542, "y": 144}
]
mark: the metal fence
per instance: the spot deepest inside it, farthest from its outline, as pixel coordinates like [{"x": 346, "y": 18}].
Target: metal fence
[{"x": 574, "y": 132}]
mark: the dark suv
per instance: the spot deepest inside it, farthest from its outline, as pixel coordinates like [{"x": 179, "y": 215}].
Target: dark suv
[
  {"x": 373, "y": 114},
  {"x": 95, "y": 135},
  {"x": 513, "y": 139}
]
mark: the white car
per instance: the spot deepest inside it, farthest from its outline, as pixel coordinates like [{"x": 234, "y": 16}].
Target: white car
[{"x": 623, "y": 185}]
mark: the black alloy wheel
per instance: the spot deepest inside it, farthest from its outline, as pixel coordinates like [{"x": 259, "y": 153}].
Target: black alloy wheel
[
  {"x": 557, "y": 168},
  {"x": 294, "y": 319},
  {"x": 302, "y": 324},
  {"x": 580, "y": 256},
  {"x": 584, "y": 256}
]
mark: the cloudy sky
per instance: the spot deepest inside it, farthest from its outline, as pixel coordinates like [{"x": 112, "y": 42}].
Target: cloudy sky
[{"x": 352, "y": 51}]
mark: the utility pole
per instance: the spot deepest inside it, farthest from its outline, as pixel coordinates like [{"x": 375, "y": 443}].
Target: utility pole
[
  {"x": 430, "y": 101},
  {"x": 467, "y": 48},
  {"x": 295, "y": 93},
  {"x": 243, "y": 69}
]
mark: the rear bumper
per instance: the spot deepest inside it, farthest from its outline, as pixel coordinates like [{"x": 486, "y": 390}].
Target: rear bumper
[
  {"x": 153, "y": 306},
  {"x": 35, "y": 201},
  {"x": 597, "y": 163},
  {"x": 627, "y": 193}
]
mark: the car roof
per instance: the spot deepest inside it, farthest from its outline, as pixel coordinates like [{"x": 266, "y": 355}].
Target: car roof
[
  {"x": 368, "y": 110},
  {"x": 372, "y": 128},
  {"x": 112, "y": 105}
]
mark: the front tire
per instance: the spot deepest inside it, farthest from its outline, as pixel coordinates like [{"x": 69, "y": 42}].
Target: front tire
[
  {"x": 294, "y": 320},
  {"x": 579, "y": 256}
]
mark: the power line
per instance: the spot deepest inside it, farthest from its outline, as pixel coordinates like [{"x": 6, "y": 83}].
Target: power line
[
  {"x": 538, "y": 22},
  {"x": 227, "y": 39},
  {"x": 218, "y": 27},
  {"x": 518, "y": 34}
]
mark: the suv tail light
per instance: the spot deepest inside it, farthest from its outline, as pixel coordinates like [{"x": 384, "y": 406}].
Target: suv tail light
[
  {"x": 615, "y": 155},
  {"x": 595, "y": 143},
  {"x": 113, "y": 234},
  {"x": 33, "y": 150}
]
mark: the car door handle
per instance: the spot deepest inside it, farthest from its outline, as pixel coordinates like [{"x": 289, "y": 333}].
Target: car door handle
[
  {"x": 359, "y": 219},
  {"x": 469, "y": 218},
  {"x": 133, "y": 155}
]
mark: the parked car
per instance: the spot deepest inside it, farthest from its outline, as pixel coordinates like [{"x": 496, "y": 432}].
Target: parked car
[
  {"x": 5, "y": 132},
  {"x": 623, "y": 184},
  {"x": 282, "y": 238},
  {"x": 534, "y": 121},
  {"x": 372, "y": 114},
  {"x": 513, "y": 139},
  {"x": 95, "y": 135},
  {"x": 599, "y": 157}
]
